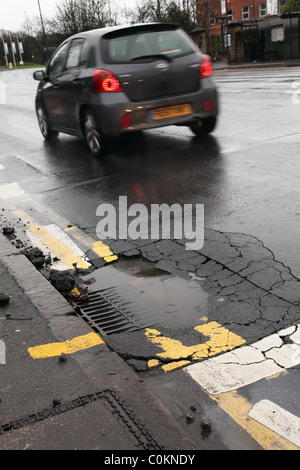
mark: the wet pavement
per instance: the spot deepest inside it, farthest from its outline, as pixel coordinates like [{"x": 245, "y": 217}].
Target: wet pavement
[{"x": 241, "y": 288}]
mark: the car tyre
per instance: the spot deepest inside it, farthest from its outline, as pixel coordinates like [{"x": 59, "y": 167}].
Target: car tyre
[
  {"x": 204, "y": 127},
  {"x": 94, "y": 138},
  {"x": 47, "y": 133}
]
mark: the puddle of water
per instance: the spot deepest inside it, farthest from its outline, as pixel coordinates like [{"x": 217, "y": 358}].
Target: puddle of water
[{"x": 174, "y": 302}]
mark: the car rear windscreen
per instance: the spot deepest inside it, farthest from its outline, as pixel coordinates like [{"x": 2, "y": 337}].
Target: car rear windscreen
[{"x": 146, "y": 45}]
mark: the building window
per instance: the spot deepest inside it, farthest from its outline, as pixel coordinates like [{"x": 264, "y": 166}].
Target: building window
[
  {"x": 262, "y": 9},
  {"x": 229, "y": 15},
  {"x": 245, "y": 13},
  {"x": 211, "y": 18},
  {"x": 280, "y": 4},
  {"x": 277, "y": 33}
]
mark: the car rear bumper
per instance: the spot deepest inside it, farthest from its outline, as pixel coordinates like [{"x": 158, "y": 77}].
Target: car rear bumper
[{"x": 115, "y": 114}]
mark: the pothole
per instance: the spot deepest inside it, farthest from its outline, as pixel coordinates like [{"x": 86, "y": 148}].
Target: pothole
[{"x": 133, "y": 294}]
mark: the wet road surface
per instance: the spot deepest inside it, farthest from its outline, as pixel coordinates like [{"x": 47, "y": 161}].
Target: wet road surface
[{"x": 246, "y": 174}]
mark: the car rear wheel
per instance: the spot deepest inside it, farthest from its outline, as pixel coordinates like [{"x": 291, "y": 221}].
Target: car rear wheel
[
  {"x": 47, "y": 133},
  {"x": 93, "y": 135},
  {"x": 206, "y": 126}
]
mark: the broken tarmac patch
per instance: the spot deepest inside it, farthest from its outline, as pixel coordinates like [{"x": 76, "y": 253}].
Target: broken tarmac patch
[{"x": 250, "y": 293}]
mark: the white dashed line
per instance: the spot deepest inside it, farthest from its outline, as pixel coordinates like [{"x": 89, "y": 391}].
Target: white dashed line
[
  {"x": 11, "y": 191},
  {"x": 277, "y": 419}
]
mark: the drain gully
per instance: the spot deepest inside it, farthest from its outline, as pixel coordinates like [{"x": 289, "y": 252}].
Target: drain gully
[{"x": 111, "y": 311}]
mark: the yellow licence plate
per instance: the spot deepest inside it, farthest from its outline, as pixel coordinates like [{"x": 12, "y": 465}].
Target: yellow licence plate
[{"x": 171, "y": 111}]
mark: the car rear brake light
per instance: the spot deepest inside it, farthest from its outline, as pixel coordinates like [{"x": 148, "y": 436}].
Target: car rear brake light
[
  {"x": 105, "y": 81},
  {"x": 206, "y": 69}
]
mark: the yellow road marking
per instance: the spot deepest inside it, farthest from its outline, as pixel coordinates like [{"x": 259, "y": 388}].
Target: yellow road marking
[
  {"x": 153, "y": 363},
  {"x": 220, "y": 339},
  {"x": 67, "y": 347},
  {"x": 174, "y": 365},
  {"x": 237, "y": 407},
  {"x": 99, "y": 247},
  {"x": 59, "y": 249},
  {"x": 104, "y": 251}
]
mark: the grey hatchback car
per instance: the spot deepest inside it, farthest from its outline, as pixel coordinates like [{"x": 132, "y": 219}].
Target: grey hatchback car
[{"x": 109, "y": 81}]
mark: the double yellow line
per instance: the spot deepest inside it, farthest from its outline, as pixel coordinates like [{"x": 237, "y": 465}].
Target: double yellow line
[{"x": 60, "y": 245}]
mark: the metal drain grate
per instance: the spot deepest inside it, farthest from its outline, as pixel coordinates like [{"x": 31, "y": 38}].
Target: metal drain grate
[{"x": 112, "y": 311}]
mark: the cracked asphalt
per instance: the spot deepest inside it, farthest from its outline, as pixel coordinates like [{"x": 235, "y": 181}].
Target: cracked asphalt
[{"x": 249, "y": 291}]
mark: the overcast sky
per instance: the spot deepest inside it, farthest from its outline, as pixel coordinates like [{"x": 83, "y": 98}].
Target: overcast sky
[{"x": 12, "y": 12}]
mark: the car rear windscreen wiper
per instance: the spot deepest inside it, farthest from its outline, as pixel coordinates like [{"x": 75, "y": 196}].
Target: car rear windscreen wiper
[{"x": 152, "y": 57}]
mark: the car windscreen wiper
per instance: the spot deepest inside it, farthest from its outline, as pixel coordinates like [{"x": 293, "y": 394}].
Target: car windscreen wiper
[{"x": 152, "y": 57}]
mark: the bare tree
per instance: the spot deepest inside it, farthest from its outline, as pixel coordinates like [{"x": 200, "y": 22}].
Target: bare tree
[
  {"x": 207, "y": 9},
  {"x": 74, "y": 16},
  {"x": 144, "y": 12},
  {"x": 182, "y": 12}
]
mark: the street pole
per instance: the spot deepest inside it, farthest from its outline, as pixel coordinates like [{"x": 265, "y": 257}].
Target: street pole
[
  {"x": 20, "y": 53},
  {"x": 109, "y": 9},
  {"x": 158, "y": 8},
  {"x": 225, "y": 29},
  {"x": 44, "y": 35},
  {"x": 4, "y": 50},
  {"x": 29, "y": 37},
  {"x": 125, "y": 12},
  {"x": 12, "y": 50}
]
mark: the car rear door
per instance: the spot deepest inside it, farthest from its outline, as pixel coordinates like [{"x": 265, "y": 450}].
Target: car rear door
[{"x": 153, "y": 64}]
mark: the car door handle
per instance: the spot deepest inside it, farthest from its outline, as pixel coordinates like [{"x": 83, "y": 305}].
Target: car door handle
[
  {"x": 75, "y": 80},
  {"x": 56, "y": 84}
]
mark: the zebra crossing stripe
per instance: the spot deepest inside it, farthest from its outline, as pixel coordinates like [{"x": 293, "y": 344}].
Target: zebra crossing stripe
[
  {"x": 239, "y": 409},
  {"x": 248, "y": 364},
  {"x": 278, "y": 419}
]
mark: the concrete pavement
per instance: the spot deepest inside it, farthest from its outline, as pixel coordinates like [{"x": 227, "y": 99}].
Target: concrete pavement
[
  {"x": 79, "y": 395},
  {"x": 225, "y": 65}
]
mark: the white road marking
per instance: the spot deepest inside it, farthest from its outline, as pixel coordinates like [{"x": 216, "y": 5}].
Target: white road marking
[
  {"x": 248, "y": 364},
  {"x": 277, "y": 419},
  {"x": 11, "y": 191},
  {"x": 1, "y": 167},
  {"x": 66, "y": 240}
]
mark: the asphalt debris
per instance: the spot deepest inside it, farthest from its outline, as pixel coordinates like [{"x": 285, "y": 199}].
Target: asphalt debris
[
  {"x": 190, "y": 418},
  {"x": 63, "y": 281},
  {"x": 4, "y": 300},
  {"x": 8, "y": 231},
  {"x": 36, "y": 257}
]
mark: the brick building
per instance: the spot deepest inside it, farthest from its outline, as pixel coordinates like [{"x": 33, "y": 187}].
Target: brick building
[
  {"x": 240, "y": 24},
  {"x": 208, "y": 11}
]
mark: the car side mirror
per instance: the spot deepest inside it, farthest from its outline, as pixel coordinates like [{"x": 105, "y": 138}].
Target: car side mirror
[{"x": 39, "y": 75}]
